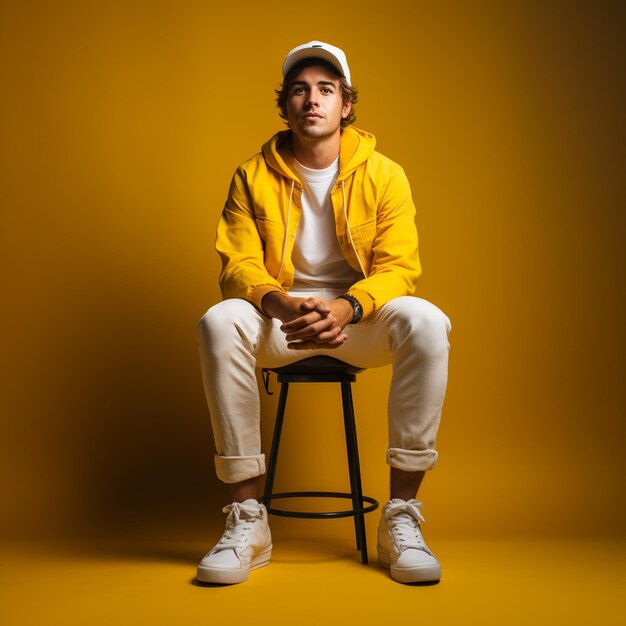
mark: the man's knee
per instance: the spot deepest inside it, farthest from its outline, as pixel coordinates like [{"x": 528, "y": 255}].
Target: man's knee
[
  {"x": 427, "y": 325},
  {"x": 224, "y": 318}
]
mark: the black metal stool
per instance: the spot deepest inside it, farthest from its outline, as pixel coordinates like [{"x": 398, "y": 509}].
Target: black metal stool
[{"x": 322, "y": 369}]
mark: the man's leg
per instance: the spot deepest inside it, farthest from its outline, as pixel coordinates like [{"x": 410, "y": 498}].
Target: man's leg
[
  {"x": 244, "y": 490},
  {"x": 420, "y": 340},
  {"x": 228, "y": 334},
  {"x": 231, "y": 336},
  {"x": 414, "y": 334},
  {"x": 404, "y": 485}
]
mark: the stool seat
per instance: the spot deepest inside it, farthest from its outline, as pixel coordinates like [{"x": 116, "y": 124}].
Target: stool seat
[
  {"x": 319, "y": 369},
  {"x": 318, "y": 365}
]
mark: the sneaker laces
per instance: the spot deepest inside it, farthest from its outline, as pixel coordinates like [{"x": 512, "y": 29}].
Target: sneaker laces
[
  {"x": 403, "y": 519},
  {"x": 241, "y": 521}
]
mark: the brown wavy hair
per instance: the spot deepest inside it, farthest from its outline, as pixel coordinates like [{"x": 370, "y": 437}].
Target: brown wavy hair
[{"x": 348, "y": 93}]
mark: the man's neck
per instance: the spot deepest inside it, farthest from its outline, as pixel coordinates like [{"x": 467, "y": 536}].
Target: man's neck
[{"x": 317, "y": 154}]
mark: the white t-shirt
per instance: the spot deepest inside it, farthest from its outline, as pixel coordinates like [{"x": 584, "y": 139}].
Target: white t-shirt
[{"x": 317, "y": 257}]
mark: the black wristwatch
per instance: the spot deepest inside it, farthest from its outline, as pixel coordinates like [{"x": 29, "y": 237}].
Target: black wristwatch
[{"x": 357, "y": 309}]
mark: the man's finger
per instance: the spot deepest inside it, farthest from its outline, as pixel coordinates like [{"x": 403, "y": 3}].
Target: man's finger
[
  {"x": 322, "y": 308},
  {"x": 316, "y": 305},
  {"x": 327, "y": 336},
  {"x": 313, "y": 330},
  {"x": 310, "y": 303},
  {"x": 338, "y": 341},
  {"x": 301, "y": 322}
]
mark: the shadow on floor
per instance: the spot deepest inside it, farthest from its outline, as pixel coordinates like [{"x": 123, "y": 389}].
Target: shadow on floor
[{"x": 295, "y": 549}]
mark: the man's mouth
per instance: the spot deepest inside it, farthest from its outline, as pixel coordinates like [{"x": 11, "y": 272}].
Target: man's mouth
[{"x": 312, "y": 116}]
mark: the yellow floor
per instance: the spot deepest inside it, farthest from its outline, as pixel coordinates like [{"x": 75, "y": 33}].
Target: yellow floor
[{"x": 318, "y": 581}]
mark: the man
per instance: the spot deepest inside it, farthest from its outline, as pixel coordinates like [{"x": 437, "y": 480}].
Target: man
[{"x": 319, "y": 252}]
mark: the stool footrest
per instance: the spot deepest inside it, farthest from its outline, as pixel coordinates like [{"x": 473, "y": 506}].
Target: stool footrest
[{"x": 373, "y": 505}]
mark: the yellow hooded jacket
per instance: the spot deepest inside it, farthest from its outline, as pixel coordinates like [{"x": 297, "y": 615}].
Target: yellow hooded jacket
[{"x": 374, "y": 217}]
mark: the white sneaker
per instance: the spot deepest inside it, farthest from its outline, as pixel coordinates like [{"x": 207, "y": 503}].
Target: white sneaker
[
  {"x": 401, "y": 547},
  {"x": 245, "y": 545}
]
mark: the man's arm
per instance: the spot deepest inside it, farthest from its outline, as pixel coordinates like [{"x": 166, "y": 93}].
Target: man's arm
[
  {"x": 391, "y": 257},
  {"x": 241, "y": 247}
]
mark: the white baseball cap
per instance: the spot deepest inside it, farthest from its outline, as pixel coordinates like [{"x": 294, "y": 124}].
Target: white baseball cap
[{"x": 318, "y": 49}]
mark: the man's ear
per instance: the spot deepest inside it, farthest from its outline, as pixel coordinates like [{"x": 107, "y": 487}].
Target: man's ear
[{"x": 347, "y": 107}]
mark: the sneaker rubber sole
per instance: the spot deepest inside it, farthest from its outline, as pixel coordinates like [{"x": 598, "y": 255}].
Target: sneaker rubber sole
[
  {"x": 423, "y": 574},
  {"x": 227, "y": 576}
]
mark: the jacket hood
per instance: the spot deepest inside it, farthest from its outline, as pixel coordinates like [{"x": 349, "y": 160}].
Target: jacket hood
[{"x": 356, "y": 147}]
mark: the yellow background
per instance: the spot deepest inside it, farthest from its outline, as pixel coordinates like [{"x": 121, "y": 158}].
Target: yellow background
[{"x": 122, "y": 123}]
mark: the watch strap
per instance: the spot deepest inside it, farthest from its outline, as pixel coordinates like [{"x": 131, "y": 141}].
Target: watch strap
[{"x": 357, "y": 309}]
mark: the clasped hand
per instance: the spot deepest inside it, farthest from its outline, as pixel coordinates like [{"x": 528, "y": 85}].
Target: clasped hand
[{"x": 310, "y": 323}]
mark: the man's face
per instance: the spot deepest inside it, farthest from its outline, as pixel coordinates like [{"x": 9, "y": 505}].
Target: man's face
[{"x": 314, "y": 105}]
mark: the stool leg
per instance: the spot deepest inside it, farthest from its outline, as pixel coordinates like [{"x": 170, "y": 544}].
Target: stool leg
[
  {"x": 351, "y": 463},
  {"x": 355, "y": 469},
  {"x": 278, "y": 427}
]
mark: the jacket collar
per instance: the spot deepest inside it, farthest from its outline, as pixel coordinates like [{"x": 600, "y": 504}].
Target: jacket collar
[{"x": 356, "y": 147}]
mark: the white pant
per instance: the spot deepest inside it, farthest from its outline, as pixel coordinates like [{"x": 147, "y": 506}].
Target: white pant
[{"x": 408, "y": 332}]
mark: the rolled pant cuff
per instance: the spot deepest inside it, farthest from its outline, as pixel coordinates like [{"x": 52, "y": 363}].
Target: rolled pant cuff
[
  {"x": 234, "y": 469},
  {"x": 412, "y": 460}
]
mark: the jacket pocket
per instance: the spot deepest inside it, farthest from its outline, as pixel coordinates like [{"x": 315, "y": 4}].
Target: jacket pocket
[{"x": 363, "y": 235}]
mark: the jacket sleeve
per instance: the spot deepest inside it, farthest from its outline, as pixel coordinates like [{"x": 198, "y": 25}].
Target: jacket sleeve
[
  {"x": 240, "y": 247},
  {"x": 395, "y": 265}
]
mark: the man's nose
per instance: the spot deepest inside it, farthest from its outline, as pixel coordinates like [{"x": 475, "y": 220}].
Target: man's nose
[{"x": 313, "y": 98}]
